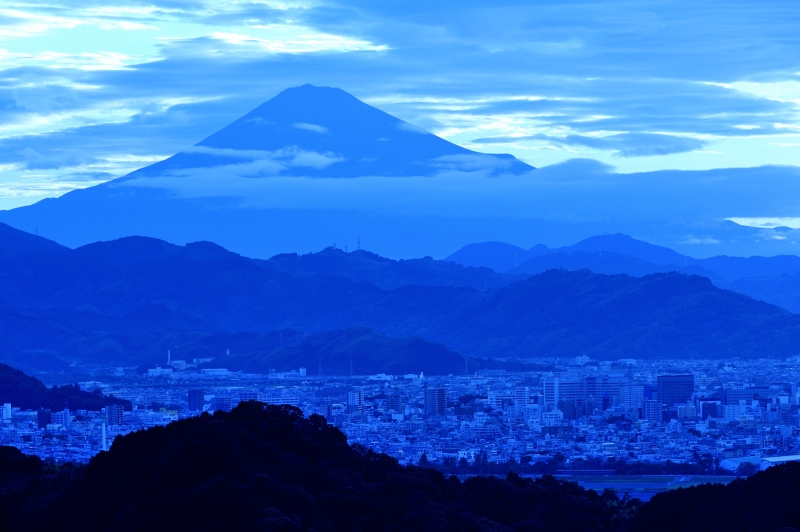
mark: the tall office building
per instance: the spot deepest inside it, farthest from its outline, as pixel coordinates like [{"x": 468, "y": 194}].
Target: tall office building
[
  {"x": 675, "y": 388},
  {"x": 114, "y": 414},
  {"x": 557, "y": 389},
  {"x": 7, "y": 411},
  {"x": 196, "y": 400},
  {"x": 522, "y": 396},
  {"x": 435, "y": 401}
]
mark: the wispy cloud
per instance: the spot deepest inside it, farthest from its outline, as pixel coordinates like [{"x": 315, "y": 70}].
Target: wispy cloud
[
  {"x": 657, "y": 83},
  {"x": 623, "y": 144}
]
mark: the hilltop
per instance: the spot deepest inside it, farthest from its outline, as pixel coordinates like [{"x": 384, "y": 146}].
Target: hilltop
[
  {"x": 30, "y": 393},
  {"x": 263, "y": 467}
]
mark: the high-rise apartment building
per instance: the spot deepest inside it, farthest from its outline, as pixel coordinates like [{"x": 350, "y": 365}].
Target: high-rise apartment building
[
  {"x": 196, "y": 400},
  {"x": 522, "y": 396},
  {"x": 435, "y": 401},
  {"x": 114, "y": 414}
]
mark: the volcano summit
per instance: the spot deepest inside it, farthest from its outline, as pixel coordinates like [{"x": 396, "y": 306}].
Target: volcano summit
[{"x": 258, "y": 186}]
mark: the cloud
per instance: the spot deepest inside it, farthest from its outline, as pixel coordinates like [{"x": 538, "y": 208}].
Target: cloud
[
  {"x": 217, "y": 162},
  {"x": 470, "y": 163},
  {"x": 61, "y": 159},
  {"x": 622, "y": 144},
  {"x": 311, "y": 127},
  {"x": 694, "y": 241},
  {"x": 405, "y": 126},
  {"x": 768, "y": 222}
]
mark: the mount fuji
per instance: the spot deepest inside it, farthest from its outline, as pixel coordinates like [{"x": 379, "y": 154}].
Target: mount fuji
[{"x": 300, "y": 172}]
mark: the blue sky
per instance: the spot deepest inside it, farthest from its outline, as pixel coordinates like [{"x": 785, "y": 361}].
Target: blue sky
[{"x": 92, "y": 90}]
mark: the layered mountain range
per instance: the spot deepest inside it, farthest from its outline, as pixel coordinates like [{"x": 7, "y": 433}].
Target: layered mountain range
[
  {"x": 127, "y": 301},
  {"x": 315, "y": 166},
  {"x": 773, "y": 279}
]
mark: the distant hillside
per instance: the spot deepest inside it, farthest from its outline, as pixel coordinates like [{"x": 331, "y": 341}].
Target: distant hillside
[
  {"x": 562, "y": 313},
  {"x": 770, "y": 279},
  {"x": 268, "y": 468},
  {"x": 30, "y": 393},
  {"x": 130, "y": 299},
  {"x": 13, "y": 242},
  {"x": 498, "y": 256},
  {"x": 362, "y": 265},
  {"x": 605, "y": 262},
  {"x": 366, "y": 351}
]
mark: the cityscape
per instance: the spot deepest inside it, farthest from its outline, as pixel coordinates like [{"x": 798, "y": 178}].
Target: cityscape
[{"x": 741, "y": 415}]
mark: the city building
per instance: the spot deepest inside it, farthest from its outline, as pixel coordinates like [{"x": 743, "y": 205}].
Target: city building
[
  {"x": 224, "y": 404},
  {"x": 653, "y": 411},
  {"x": 196, "y": 400},
  {"x": 61, "y": 418},
  {"x": 435, "y": 401},
  {"x": 675, "y": 388},
  {"x": 114, "y": 414},
  {"x": 43, "y": 418}
]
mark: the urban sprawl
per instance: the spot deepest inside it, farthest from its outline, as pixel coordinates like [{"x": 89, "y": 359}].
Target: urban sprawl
[{"x": 583, "y": 412}]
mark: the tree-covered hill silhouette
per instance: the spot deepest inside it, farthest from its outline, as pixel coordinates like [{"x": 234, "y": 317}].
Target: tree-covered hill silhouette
[
  {"x": 30, "y": 393},
  {"x": 263, "y": 467}
]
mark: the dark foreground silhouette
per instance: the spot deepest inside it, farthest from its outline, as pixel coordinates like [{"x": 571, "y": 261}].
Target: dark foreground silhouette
[
  {"x": 265, "y": 467},
  {"x": 768, "y": 501}
]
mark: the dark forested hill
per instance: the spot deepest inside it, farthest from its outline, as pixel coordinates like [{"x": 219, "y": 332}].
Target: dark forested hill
[
  {"x": 768, "y": 501},
  {"x": 361, "y": 265},
  {"x": 265, "y": 468},
  {"x": 361, "y": 349},
  {"x": 119, "y": 299},
  {"x": 560, "y": 313},
  {"x": 30, "y": 393},
  {"x": 13, "y": 242}
]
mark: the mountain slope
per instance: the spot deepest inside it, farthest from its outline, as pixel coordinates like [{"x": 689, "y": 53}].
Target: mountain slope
[
  {"x": 605, "y": 262},
  {"x": 13, "y": 241},
  {"x": 362, "y": 350},
  {"x": 29, "y": 393},
  {"x": 362, "y": 265},
  {"x": 561, "y": 313},
  {"x": 556, "y": 313},
  {"x": 498, "y": 256},
  {"x": 325, "y": 132},
  {"x": 224, "y": 188}
]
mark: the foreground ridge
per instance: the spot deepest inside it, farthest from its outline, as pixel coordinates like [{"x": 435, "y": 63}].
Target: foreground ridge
[{"x": 263, "y": 467}]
